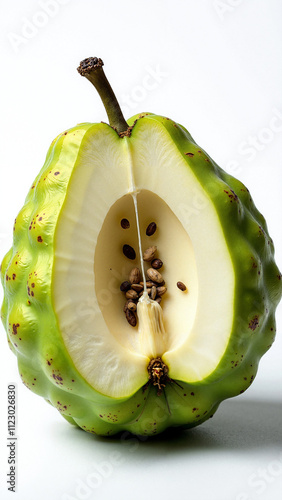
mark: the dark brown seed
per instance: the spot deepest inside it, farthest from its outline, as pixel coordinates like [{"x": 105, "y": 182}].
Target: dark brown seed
[
  {"x": 158, "y": 300},
  {"x": 181, "y": 286},
  {"x": 125, "y": 224},
  {"x": 131, "y": 294},
  {"x": 126, "y": 285},
  {"x": 157, "y": 263},
  {"x": 137, "y": 287},
  {"x": 129, "y": 301},
  {"x": 129, "y": 252},
  {"x": 149, "y": 253},
  {"x": 151, "y": 229},
  {"x": 135, "y": 275},
  {"x": 131, "y": 306},
  {"x": 125, "y": 307},
  {"x": 131, "y": 318},
  {"x": 149, "y": 284},
  {"x": 153, "y": 292},
  {"x": 161, "y": 290},
  {"x": 149, "y": 290},
  {"x": 154, "y": 275}
]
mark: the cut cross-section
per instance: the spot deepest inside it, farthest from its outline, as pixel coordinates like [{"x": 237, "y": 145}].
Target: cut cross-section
[{"x": 90, "y": 264}]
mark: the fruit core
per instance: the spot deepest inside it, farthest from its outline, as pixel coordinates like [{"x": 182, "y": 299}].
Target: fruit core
[{"x": 159, "y": 327}]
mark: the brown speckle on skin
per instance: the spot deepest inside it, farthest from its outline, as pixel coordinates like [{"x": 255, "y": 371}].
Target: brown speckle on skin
[
  {"x": 254, "y": 264},
  {"x": 15, "y": 328},
  {"x": 14, "y": 276},
  {"x": 56, "y": 173},
  {"x": 58, "y": 379},
  {"x": 233, "y": 196},
  {"x": 39, "y": 239},
  {"x": 189, "y": 154},
  {"x": 254, "y": 323}
]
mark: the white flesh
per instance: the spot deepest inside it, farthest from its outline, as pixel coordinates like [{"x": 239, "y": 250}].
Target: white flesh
[{"x": 90, "y": 266}]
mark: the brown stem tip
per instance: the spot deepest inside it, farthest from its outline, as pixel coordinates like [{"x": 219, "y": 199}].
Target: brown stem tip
[
  {"x": 89, "y": 64},
  {"x": 92, "y": 69}
]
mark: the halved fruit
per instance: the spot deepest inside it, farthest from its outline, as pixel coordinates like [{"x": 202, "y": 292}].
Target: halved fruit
[{"x": 117, "y": 342}]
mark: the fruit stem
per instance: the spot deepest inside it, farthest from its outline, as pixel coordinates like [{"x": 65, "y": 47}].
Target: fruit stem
[{"x": 92, "y": 69}]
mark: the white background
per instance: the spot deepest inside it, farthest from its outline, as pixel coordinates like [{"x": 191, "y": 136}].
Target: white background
[{"x": 215, "y": 67}]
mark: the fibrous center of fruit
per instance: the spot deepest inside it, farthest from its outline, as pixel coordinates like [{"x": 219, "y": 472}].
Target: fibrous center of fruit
[{"x": 152, "y": 335}]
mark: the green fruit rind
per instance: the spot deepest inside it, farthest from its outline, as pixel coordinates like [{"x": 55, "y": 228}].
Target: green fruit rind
[{"x": 32, "y": 327}]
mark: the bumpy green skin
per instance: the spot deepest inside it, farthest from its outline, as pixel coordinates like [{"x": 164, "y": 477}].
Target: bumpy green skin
[{"x": 31, "y": 324}]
